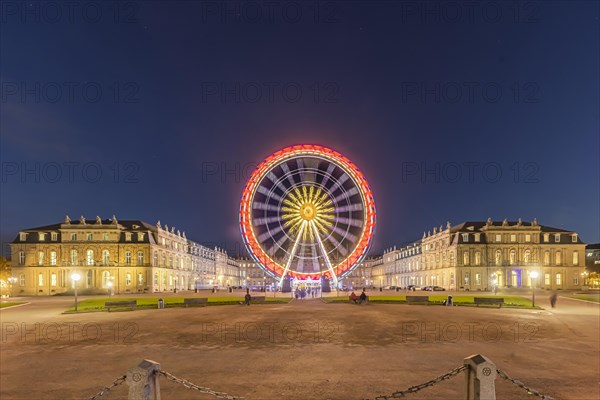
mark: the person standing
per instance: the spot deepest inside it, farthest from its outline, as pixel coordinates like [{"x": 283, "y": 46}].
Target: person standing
[
  {"x": 247, "y": 297},
  {"x": 553, "y": 299}
]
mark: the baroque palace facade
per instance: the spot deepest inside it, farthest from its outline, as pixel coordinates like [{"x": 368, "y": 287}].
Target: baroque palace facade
[{"x": 132, "y": 256}]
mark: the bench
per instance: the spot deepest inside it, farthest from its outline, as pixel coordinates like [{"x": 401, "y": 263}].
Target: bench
[
  {"x": 488, "y": 300},
  {"x": 132, "y": 304},
  {"x": 417, "y": 299},
  {"x": 258, "y": 299},
  {"x": 195, "y": 301},
  {"x": 358, "y": 300}
]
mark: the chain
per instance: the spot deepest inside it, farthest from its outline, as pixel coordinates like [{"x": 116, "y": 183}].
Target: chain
[
  {"x": 201, "y": 389},
  {"x": 520, "y": 384},
  {"x": 414, "y": 389},
  {"x": 108, "y": 388}
]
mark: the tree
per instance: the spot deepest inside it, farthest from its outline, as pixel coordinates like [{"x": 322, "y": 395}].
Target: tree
[{"x": 4, "y": 269}]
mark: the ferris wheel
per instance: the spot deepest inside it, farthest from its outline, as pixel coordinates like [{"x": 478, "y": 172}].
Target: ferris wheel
[{"x": 307, "y": 212}]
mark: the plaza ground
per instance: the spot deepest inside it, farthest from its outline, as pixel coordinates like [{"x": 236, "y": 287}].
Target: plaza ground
[{"x": 304, "y": 349}]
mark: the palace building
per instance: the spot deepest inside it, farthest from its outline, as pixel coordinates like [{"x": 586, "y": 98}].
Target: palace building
[{"x": 132, "y": 256}]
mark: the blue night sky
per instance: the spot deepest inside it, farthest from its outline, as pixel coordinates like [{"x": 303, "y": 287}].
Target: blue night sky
[{"x": 160, "y": 109}]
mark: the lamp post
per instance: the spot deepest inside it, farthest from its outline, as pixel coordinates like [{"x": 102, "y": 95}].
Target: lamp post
[
  {"x": 109, "y": 284},
  {"x": 75, "y": 277},
  {"x": 11, "y": 281},
  {"x": 533, "y": 275},
  {"x": 583, "y": 279}
]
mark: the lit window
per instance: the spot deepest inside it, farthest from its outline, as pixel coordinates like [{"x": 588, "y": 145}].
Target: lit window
[
  {"x": 466, "y": 278},
  {"x": 73, "y": 236},
  {"x": 22, "y": 236},
  {"x": 557, "y": 237},
  {"x": 140, "y": 236},
  {"x": 128, "y": 279},
  {"x": 547, "y": 279},
  {"x": 140, "y": 279},
  {"x": 513, "y": 238},
  {"x": 105, "y": 257},
  {"x": 466, "y": 258},
  {"x": 478, "y": 237},
  {"x": 140, "y": 258},
  {"x": 546, "y": 237},
  {"x": 40, "y": 279},
  {"x": 575, "y": 257},
  {"x": 128, "y": 237},
  {"x": 90, "y": 236},
  {"x": 21, "y": 258},
  {"x": 498, "y": 238},
  {"x": 558, "y": 279},
  {"x": 477, "y": 258},
  {"x": 558, "y": 258},
  {"x": 128, "y": 257},
  {"x": 54, "y": 236},
  {"x": 53, "y": 279},
  {"x": 52, "y": 258},
  {"x": 574, "y": 238},
  {"x": 90, "y": 257},
  {"x": 528, "y": 238},
  {"x": 105, "y": 237},
  {"x": 74, "y": 257},
  {"x": 22, "y": 280},
  {"x": 40, "y": 258},
  {"x": 41, "y": 236},
  {"x": 478, "y": 279},
  {"x": 546, "y": 258}
]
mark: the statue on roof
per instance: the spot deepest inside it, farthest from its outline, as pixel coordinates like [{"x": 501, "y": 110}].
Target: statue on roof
[
  {"x": 82, "y": 220},
  {"x": 434, "y": 230},
  {"x": 448, "y": 226},
  {"x": 519, "y": 222},
  {"x": 505, "y": 222},
  {"x": 67, "y": 220},
  {"x": 488, "y": 222},
  {"x": 534, "y": 222},
  {"x": 158, "y": 224},
  {"x": 166, "y": 227},
  {"x": 114, "y": 219},
  {"x": 172, "y": 229},
  {"x": 98, "y": 220}
]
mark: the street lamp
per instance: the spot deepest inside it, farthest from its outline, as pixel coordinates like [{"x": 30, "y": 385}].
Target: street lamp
[
  {"x": 109, "y": 284},
  {"x": 11, "y": 281},
  {"x": 533, "y": 275},
  {"x": 583, "y": 279},
  {"x": 75, "y": 277}
]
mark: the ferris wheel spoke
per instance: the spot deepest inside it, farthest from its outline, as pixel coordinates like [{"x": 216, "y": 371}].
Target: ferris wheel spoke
[
  {"x": 324, "y": 252},
  {"x": 327, "y": 174},
  {"x": 267, "y": 220},
  {"x": 350, "y": 207},
  {"x": 270, "y": 233},
  {"x": 338, "y": 183},
  {"x": 264, "y": 206},
  {"x": 273, "y": 178},
  {"x": 350, "y": 221},
  {"x": 345, "y": 234},
  {"x": 271, "y": 250},
  {"x": 288, "y": 174},
  {"x": 346, "y": 195},
  {"x": 337, "y": 245},
  {"x": 294, "y": 247},
  {"x": 268, "y": 193}
]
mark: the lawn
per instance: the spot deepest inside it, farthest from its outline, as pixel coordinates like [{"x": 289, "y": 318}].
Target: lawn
[
  {"x": 460, "y": 300},
  {"x": 595, "y": 297},
  {"x": 11, "y": 303},
  {"x": 152, "y": 302}
]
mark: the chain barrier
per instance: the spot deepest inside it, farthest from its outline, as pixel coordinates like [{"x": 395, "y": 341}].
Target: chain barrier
[
  {"x": 520, "y": 384},
  {"x": 108, "y": 388},
  {"x": 432, "y": 382},
  {"x": 201, "y": 389}
]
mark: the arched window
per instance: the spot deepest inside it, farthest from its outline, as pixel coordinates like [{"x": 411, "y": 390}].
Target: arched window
[
  {"x": 90, "y": 257},
  {"x": 527, "y": 256},
  {"x": 512, "y": 257},
  {"x": 477, "y": 258},
  {"x": 74, "y": 257},
  {"x": 558, "y": 258},
  {"x": 155, "y": 259},
  {"x": 128, "y": 257},
  {"x": 466, "y": 258},
  {"x": 498, "y": 257},
  {"x": 140, "y": 258},
  {"x": 105, "y": 257},
  {"x": 546, "y": 258},
  {"x": 105, "y": 278},
  {"x": 88, "y": 282}
]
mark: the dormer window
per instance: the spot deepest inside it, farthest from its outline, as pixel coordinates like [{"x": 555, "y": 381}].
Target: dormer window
[
  {"x": 557, "y": 237},
  {"x": 465, "y": 237},
  {"x": 140, "y": 236},
  {"x": 41, "y": 236},
  {"x": 128, "y": 236},
  {"x": 546, "y": 237},
  {"x": 54, "y": 236},
  {"x": 22, "y": 236},
  {"x": 478, "y": 237},
  {"x": 574, "y": 238}
]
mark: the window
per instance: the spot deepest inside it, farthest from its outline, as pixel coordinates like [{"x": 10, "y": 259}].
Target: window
[
  {"x": 477, "y": 258},
  {"x": 478, "y": 279},
  {"x": 128, "y": 257},
  {"x": 574, "y": 238},
  {"x": 22, "y": 236},
  {"x": 105, "y": 279},
  {"x": 466, "y": 258},
  {"x": 528, "y": 237},
  {"x": 128, "y": 279},
  {"x": 557, "y": 237},
  {"x": 575, "y": 257},
  {"x": 74, "y": 257},
  {"x": 41, "y": 236},
  {"x": 512, "y": 257},
  {"x": 546, "y": 237},
  {"x": 40, "y": 258},
  {"x": 54, "y": 236},
  {"x": 88, "y": 279},
  {"x": 498, "y": 238},
  {"x": 155, "y": 259},
  {"x": 40, "y": 279},
  {"x": 105, "y": 257},
  {"x": 164, "y": 260},
  {"x": 90, "y": 237},
  {"x": 128, "y": 237},
  {"x": 140, "y": 236},
  {"x": 156, "y": 279},
  {"x": 52, "y": 258},
  {"x": 466, "y": 278},
  {"x": 465, "y": 237},
  {"x": 21, "y": 258},
  {"x": 140, "y": 258},
  {"x": 105, "y": 237},
  {"x": 478, "y": 237},
  {"x": 73, "y": 236},
  {"x": 513, "y": 238},
  {"x": 546, "y": 258},
  {"x": 547, "y": 279},
  {"x": 498, "y": 257},
  {"x": 559, "y": 279},
  {"x": 89, "y": 257},
  {"x": 163, "y": 242},
  {"x": 22, "y": 280},
  {"x": 140, "y": 279},
  {"x": 575, "y": 280},
  {"x": 558, "y": 258},
  {"x": 527, "y": 256}
]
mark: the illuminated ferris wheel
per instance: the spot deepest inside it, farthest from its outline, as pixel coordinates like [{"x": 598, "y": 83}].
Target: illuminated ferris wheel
[{"x": 306, "y": 213}]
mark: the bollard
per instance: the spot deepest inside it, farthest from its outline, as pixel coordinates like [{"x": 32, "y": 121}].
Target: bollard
[
  {"x": 161, "y": 303},
  {"x": 143, "y": 381},
  {"x": 480, "y": 376}
]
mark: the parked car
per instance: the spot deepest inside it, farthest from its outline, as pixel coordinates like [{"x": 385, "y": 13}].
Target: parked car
[
  {"x": 427, "y": 288},
  {"x": 438, "y": 289},
  {"x": 413, "y": 287}
]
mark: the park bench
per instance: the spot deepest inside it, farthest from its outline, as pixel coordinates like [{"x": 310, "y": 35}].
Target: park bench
[
  {"x": 195, "y": 301},
  {"x": 257, "y": 299},
  {"x": 417, "y": 299},
  {"x": 488, "y": 300},
  {"x": 358, "y": 300},
  {"x": 132, "y": 304}
]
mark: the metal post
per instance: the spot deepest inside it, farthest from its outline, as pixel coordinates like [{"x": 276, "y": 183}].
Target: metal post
[
  {"x": 480, "y": 376},
  {"x": 143, "y": 381}
]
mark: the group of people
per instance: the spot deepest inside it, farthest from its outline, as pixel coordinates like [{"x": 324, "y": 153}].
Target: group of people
[
  {"x": 358, "y": 299},
  {"x": 302, "y": 293}
]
